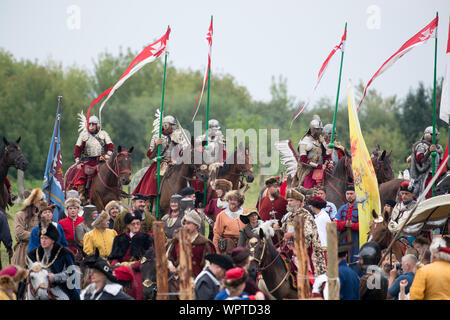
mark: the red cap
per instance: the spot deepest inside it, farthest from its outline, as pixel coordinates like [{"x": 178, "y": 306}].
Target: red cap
[
  {"x": 234, "y": 273},
  {"x": 9, "y": 271},
  {"x": 317, "y": 199},
  {"x": 123, "y": 273}
]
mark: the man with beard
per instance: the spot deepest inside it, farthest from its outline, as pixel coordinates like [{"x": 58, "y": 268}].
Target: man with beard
[
  {"x": 137, "y": 204},
  {"x": 295, "y": 209},
  {"x": 272, "y": 206},
  {"x": 92, "y": 146},
  {"x": 313, "y": 156},
  {"x": 347, "y": 221}
]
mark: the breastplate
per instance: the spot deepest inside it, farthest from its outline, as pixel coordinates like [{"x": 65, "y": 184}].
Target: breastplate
[{"x": 93, "y": 147}]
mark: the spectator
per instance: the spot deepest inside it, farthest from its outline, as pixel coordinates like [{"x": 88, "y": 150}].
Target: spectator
[
  {"x": 208, "y": 282},
  {"x": 408, "y": 265},
  {"x": 432, "y": 281},
  {"x": 331, "y": 207},
  {"x": 321, "y": 218}
]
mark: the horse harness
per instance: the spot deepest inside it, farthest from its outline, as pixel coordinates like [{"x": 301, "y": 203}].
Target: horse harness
[{"x": 116, "y": 171}]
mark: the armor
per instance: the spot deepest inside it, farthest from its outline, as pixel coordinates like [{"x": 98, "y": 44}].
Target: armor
[
  {"x": 94, "y": 144},
  {"x": 312, "y": 149}
]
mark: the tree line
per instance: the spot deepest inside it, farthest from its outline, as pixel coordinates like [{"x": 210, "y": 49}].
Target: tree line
[{"x": 29, "y": 91}]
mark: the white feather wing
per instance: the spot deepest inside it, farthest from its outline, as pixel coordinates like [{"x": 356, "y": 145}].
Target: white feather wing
[
  {"x": 288, "y": 156},
  {"x": 156, "y": 122},
  {"x": 83, "y": 121}
]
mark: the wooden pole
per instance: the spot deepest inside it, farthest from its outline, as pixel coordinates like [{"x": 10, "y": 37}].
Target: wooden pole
[
  {"x": 161, "y": 261},
  {"x": 20, "y": 184},
  {"x": 302, "y": 258},
  {"x": 185, "y": 266},
  {"x": 332, "y": 261}
]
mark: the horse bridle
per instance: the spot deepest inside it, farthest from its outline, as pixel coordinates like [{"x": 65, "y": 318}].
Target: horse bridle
[
  {"x": 116, "y": 171},
  {"x": 147, "y": 283},
  {"x": 34, "y": 290}
]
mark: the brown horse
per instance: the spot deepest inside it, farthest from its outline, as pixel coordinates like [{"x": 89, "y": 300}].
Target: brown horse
[
  {"x": 382, "y": 165},
  {"x": 108, "y": 179},
  {"x": 379, "y": 233},
  {"x": 390, "y": 190},
  {"x": 274, "y": 269},
  {"x": 10, "y": 156}
]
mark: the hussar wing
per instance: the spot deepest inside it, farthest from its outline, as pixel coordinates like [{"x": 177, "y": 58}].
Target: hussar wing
[{"x": 288, "y": 156}]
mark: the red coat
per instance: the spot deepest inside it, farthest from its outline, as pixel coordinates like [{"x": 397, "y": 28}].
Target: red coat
[
  {"x": 69, "y": 226},
  {"x": 265, "y": 206}
]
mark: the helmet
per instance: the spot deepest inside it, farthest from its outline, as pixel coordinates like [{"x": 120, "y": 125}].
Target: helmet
[
  {"x": 94, "y": 120},
  {"x": 167, "y": 121},
  {"x": 214, "y": 124},
  {"x": 428, "y": 134},
  {"x": 315, "y": 123},
  {"x": 328, "y": 128},
  {"x": 370, "y": 253}
]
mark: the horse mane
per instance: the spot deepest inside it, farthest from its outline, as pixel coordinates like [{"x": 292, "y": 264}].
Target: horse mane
[{"x": 340, "y": 167}]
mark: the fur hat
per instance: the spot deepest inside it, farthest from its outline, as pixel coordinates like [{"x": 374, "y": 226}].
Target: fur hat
[
  {"x": 35, "y": 194},
  {"x": 294, "y": 194},
  {"x": 187, "y": 191},
  {"x": 193, "y": 217},
  {"x": 50, "y": 232},
  {"x": 113, "y": 204},
  {"x": 12, "y": 275},
  {"x": 235, "y": 195},
  {"x": 245, "y": 216},
  {"x": 407, "y": 186},
  {"x": 223, "y": 184},
  {"x": 104, "y": 216},
  {"x": 440, "y": 248},
  {"x": 130, "y": 217},
  {"x": 45, "y": 206},
  {"x": 72, "y": 202},
  {"x": 272, "y": 180},
  {"x": 317, "y": 202}
]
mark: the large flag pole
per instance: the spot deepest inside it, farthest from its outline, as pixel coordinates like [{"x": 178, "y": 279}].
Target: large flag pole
[
  {"x": 433, "y": 154},
  {"x": 205, "y": 184},
  {"x": 331, "y": 144},
  {"x": 158, "y": 158}
]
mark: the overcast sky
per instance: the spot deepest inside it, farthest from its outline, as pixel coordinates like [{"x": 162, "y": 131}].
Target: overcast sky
[{"x": 253, "y": 39}]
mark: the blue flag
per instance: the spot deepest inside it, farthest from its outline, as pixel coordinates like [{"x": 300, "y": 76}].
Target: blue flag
[{"x": 53, "y": 176}]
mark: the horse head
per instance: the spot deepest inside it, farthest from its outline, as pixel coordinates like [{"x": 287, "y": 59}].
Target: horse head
[
  {"x": 378, "y": 230},
  {"x": 122, "y": 160},
  {"x": 13, "y": 155},
  {"x": 382, "y": 165},
  {"x": 37, "y": 281},
  {"x": 148, "y": 273}
]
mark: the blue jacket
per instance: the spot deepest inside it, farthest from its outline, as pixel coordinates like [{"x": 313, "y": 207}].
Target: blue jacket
[
  {"x": 35, "y": 242},
  {"x": 394, "y": 290},
  {"x": 354, "y": 234},
  {"x": 349, "y": 282},
  {"x": 225, "y": 295}
]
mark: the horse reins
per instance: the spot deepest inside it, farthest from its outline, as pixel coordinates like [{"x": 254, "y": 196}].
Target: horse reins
[{"x": 116, "y": 171}]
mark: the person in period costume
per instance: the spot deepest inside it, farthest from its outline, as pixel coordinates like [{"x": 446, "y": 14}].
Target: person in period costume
[
  {"x": 348, "y": 278},
  {"x": 113, "y": 208},
  {"x": 89, "y": 214},
  {"x": 200, "y": 245},
  {"x": 208, "y": 282},
  {"x": 125, "y": 276},
  {"x": 389, "y": 205},
  {"x": 347, "y": 221},
  {"x": 228, "y": 224},
  {"x": 172, "y": 219},
  {"x": 10, "y": 277},
  {"x": 317, "y": 264},
  {"x": 93, "y": 145},
  {"x": 101, "y": 238},
  {"x": 421, "y": 160},
  {"x": 402, "y": 209},
  {"x": 189, "y": 193},
  {"x": 24, "y": 222},
  {"x": 253, "y": 223},
  {"x": 58, "y": 260},
  {"x": 104, "y": 285},
  {"x": 432, "y": 281},
  {"x": 330, "y": 207},
  {"x": 339, "y": 151},
  {"x": 170, "y": 138},
  {"x": 234, "y": 285},
  {"x": 128, "y": 249},
  {"x": 72, "y": 207},
  {"x": 45, "y": 217},
  {"x": 273, "y": 205},
  {"x": 321, "y": 218},
  {"x": 313, "y": 156},
  {"x": 217, "y": 205},
  {"x": 373, "y": 283},
  {"x": 138, "y": 203},
  {"x": 5, "y": 235}
]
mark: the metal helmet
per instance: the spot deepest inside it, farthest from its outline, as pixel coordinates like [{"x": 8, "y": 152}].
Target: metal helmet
[
  {"x": 167, "y": 121},
  {"x": 370, "y": 253},
  {"x": 316, "y": 123},
  {"x": 94, "y": 120},
  {"x": 328, "y": 128},
  {"x": 428, "y": 133},
  {"x": 214, "y": 124}
]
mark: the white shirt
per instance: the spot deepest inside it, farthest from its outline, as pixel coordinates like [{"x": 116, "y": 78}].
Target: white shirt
[{"x": 321, "y": 220}]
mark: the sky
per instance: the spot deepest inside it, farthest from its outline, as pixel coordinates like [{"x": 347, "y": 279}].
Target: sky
[{"x": 254, "y": 40}]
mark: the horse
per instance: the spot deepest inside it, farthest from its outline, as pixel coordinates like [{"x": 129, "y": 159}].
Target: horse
[
  {"x": 336, "y": 181},
  {"x": 390, "y": 190},
  {"x": 275, "y": 270},
  {"x": 10, "y": 156},
  {"x": 443, "y": 186},
  {"x": 148, "y": 273},
  {"x": 38, "y": 285},
  {"x": 379, "y": 233},
  {"x": 382, "y": 165},
  {"x": 108, "y": 178}
]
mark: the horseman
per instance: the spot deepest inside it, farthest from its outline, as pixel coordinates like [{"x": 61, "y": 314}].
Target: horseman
[
  {"x": 421, "y": 160},
  {"x": 169, "y": 140},
  {"x": 93, "y": 145},
  {"x": 338, "y": 151},
  {"x": 313, "y": 155}
]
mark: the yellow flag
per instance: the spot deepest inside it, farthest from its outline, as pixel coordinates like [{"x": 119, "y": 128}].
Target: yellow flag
[{"x": 366, "y": 185}]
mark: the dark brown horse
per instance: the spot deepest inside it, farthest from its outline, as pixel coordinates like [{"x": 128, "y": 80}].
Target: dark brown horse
[
  {"x": 390, "y": 190},
  {"x": 382, "y": 165},
  {"x": 275, "y": 270},
  {"x": 10, "y": 156},
  {"x": 108, "y": 179}
]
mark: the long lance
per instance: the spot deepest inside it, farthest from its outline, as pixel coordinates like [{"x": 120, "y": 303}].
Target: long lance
[
  {"x": 158, "y": 158},
  {"x": 331, "y": 144},
  {"x": 433, "y": 154}
]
